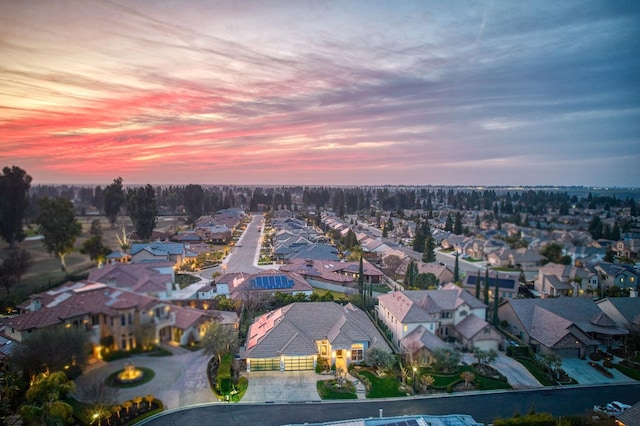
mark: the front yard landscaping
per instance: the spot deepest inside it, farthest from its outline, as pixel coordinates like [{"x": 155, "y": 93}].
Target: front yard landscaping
[{"x": 336, "y": 389}]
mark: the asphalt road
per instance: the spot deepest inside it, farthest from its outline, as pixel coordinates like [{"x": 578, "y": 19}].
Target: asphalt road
[{"x": 484, "y": 407}]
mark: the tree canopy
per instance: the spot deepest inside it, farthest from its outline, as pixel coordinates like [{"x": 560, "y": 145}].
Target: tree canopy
[
  {"x": 142, "y": 209},
  {"x": 218, "y": 340},
  {"x": 58, "y": 226},
  {"x": 13, "y": 267},
  {"x": 44, "y": 400},
  {"x": 193, "y": 197},
  {"x": 52, "y": 349},
  {"x": 113, "y": 199},
  {"x": 14, "y": 200}
]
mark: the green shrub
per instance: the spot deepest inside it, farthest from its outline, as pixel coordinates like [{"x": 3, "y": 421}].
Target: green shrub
[
  {"x": 224, "y": 374},
  {"x": 607, "y": 363},
  {"x": 595, "y": 356}
]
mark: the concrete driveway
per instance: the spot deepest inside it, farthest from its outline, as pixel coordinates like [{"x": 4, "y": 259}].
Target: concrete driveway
[
  {"x": 179, "y": 379},
  {"x": 517, "y": 375},
  {"x": 587, "y": 375},
  {"x": 288, "y": 386}
]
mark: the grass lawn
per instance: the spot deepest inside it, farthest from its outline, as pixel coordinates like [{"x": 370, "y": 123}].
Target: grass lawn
[
  {"x": 148, "y": 375},
  {"x": 633, "y": 373},
  {"x": 336, "y": 295},
  {"x": 382, "y": 387},
  {"x": 534, "y": 369},
  {"x": 328, "y": 390},
  {"x": 46, "y": 271},
  {"x": 481, "y": 382}
]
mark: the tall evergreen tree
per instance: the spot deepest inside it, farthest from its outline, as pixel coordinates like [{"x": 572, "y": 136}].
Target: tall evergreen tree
[
  {"x": 14, "y": 200},
  {"x": 486, "y": 287},
  {"x": 142, "y": 209},
  {"x": 448, "y": 225},
  {"x": 457, "y": 225},
  {"x": 193, "y": 202},
  {"x": 113, "y": 198},
  {"x": 361, "y": 277},
  {"x": 410, "y": 276},
  {"x": 456, "y": 269},
  {"x": 496, "y": 301},
  {"x": 478, "y": 285}
]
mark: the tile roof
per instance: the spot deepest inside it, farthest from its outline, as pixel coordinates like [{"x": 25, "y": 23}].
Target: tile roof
[
  {"x": 563, "y": 310},
  {"x": 295, "y": 329},
  {"x": 420, "y": 338},
  {"x": 470, "y": 326}
]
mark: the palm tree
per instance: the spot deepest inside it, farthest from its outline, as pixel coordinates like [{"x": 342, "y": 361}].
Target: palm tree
[
  {"x": 149, "y": 398},
  {"x": 137, "y": 400},
  {"x": 117, "y": 409},
  {"x": 127, "y": 405}
]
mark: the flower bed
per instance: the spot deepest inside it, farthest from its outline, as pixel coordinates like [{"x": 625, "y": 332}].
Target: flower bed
[{"x": 601, "y": 369}]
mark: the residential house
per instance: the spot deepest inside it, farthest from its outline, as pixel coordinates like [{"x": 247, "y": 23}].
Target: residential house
[
  {"x": 624, "y": 311},
  {"x": 159, "y": 251},
  {"x": 339, "y": 274},
  {"x": 565, "y": 280},
  {"x": 569, "y": 327},
  {"x": 443, "y": 273},
  {"x": 521, "y": 258},
  {"x": 115, "y": 318},
  {"x": 153, "y": 279},
  {"x": 627, "y": 248},
  {"x": 508, "y": 285},
  {"x": 443, "y": 313},
  {"x": 270, "y": 281},
  {"x": 619, "y": 274},
  {"x": 297, "y": 336}
]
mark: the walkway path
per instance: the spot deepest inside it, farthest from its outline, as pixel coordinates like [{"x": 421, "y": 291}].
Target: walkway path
[{"x": 179, "y": 379}]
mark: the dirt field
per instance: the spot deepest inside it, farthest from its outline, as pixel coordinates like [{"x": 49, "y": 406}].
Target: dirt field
[{"x": 46, "y": 270}]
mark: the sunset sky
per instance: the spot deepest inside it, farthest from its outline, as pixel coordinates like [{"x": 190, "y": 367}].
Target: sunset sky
[{"x": 322, "y": 92}]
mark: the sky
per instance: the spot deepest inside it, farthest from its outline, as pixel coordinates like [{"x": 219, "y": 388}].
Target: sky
[{"x": 319, "y": 92}]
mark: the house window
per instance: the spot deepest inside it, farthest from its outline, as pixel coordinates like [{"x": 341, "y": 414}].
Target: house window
[
  {"x": 463, "y": 313},
  {"x": 357, "y": 355},
  {"x": 445, "y": 315},
  {"x": 130, "y": 318},
  {"x": 323, "y": 350},
  {"x": 487, "y": 330},
  {"x": 95, "y": 320},
  {"x": 123, "y": 320},
  {"x": 405, "y": 328}
]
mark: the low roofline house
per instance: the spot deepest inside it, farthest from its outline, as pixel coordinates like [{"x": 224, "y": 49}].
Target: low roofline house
[
  {"x": 300, "y": 335},
  {"x": 569, "y": 327}
]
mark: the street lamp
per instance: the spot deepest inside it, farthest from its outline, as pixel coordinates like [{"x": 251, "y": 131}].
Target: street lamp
[{"x": 414, "y": 379}]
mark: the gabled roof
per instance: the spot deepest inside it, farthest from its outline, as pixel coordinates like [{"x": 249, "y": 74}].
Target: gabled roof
[
  {"x": 470, "y": 326},
  {"x": 626, "y": 307},
  {"x": 295, "y": 329},
  {"x": 158, "y": 248},
  {"x": 421, "y": 338},
  {"x": 566, "y": 310}
]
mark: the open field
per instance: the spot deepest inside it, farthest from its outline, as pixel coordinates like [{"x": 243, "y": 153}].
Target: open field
[{"x": 46, "y": 271}]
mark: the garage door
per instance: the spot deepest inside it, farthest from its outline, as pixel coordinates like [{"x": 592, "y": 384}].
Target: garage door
[
  {"x": 568, "y": 353},
  {"x": 265, "y": 364},
  {"x": 298, "y": 363}
]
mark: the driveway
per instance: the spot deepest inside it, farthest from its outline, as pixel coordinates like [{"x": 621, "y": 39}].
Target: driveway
[
  {"x": 587, "y": 375},
  {"x": 179, "y": 379},
  {"x": 288, "y": 386},
  {"x": 517, "y": 375}
]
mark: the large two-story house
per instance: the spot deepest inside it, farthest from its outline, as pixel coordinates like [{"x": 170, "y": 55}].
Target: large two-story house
[
  {"x": 449, "y": 314},
  {"x": 116, "y": 318}
]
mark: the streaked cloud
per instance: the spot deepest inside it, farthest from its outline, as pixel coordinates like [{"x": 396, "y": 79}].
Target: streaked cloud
[{"x": 321, "y": 93}]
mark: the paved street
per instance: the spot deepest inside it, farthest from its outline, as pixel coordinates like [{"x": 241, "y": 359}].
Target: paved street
[{"x": 483, "y": 406}]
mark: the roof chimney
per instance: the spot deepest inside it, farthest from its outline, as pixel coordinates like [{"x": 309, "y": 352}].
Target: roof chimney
[{"x": 35, "y": 304}]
